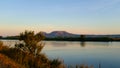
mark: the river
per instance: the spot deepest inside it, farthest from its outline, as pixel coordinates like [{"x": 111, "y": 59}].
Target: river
[{"x": 104, "y": 54}]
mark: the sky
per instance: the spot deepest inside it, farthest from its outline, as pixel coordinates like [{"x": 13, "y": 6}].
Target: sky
[{"x": 74, "y": 16}]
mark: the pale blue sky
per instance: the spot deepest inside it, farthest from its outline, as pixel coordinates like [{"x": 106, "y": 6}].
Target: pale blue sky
[{"x": 75, "y": 16}]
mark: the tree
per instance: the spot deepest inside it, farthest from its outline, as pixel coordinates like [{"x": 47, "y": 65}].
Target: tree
[
  {"x": 1, "y": 37},
  {"x": 82, "y": 37},
  {"x": 32, "y": 43}
]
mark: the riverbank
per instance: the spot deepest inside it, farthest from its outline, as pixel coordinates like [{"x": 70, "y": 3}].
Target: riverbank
[{"x": 75, "y": 39}]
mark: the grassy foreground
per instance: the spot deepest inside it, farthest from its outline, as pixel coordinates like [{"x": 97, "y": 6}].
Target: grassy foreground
[{"x": 15, "y": 58}]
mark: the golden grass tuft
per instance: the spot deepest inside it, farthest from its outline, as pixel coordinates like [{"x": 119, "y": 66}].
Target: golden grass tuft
[{"x": 6, "y": 62}]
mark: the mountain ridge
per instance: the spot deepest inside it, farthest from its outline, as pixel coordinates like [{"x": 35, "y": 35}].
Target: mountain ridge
[
  {"x": 54, "y": 34},
  {"x": 59, "y": 34}
]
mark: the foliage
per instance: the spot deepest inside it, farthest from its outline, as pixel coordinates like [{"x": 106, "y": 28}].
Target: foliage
[
  {"x": 33, "y": 44},
  {"x": 28, "y": 54},
  {"x": 5, "y": 61},
  {"x": 29, "y": 60},
  {"x": 56, "y": 63}
]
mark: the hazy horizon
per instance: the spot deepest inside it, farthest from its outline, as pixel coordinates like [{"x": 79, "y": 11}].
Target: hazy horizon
[
  {"x": 74, "y": 16},
  {"x": 5, "y": 35}
]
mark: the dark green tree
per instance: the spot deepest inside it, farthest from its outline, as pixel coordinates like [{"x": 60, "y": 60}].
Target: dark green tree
[{"x": 82, "y": 37}]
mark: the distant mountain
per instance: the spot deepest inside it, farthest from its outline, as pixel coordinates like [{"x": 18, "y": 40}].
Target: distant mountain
[
  {"x": 55, "y": 34},
  {"x": 60, "y": 34}
]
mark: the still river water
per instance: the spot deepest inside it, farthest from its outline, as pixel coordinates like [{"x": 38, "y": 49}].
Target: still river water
[{"x": 105, "y": 54}]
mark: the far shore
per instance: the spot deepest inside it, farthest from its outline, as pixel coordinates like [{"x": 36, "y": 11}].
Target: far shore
[{"x": 73, "y": 39}]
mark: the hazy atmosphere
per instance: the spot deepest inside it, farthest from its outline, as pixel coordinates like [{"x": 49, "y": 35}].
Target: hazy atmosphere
[
  {"x": 59, "y": 33},
  {"x": 75, "y": 16}
]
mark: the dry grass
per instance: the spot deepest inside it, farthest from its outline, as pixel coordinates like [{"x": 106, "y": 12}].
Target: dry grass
[
  {"x": 6, "y": 62},
  {"x": 15, "y": 58}
]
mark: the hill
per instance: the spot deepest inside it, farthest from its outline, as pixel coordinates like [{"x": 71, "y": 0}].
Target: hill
[
  {"x": 55, "y": 34},
  {"x": 64, "y": 34}
]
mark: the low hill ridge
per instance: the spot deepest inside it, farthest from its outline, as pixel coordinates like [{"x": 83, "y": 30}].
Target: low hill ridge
[{"x": 59, "y": 34}]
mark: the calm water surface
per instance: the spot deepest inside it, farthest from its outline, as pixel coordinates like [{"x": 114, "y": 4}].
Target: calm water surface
[{"x": 107, "y": 54}]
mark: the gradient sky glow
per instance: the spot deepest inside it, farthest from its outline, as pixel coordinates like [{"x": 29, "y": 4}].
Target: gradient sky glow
[{"x": 75, "y": 16}]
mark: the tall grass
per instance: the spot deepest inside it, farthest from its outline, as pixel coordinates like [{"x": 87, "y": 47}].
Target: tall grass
[
  {"x": 6, "y": 62},
  {"x": 28, "y": 60}
]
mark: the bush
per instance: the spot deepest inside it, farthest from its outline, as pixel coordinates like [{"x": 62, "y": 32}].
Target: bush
[
  {"x": 33, "y": 44},
  {"x": 28, "y": 54}
]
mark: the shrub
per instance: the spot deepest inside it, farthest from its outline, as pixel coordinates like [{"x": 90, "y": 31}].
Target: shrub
[
  {"x": 28, "y": 53},
  {"x": 33, "y": 44}
]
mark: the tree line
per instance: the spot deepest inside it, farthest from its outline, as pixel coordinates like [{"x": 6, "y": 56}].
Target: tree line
[{"x": 80, "y": 38}]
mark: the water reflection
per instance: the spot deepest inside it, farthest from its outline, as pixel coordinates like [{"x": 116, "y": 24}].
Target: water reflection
[
  {"x": 99, "y": 43},
  {"x": 99, "y": 54},
  {"x": 10, "y": 43},
  {"x": 82, "y": 44},
  {"x": 58, "y": 44}
]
